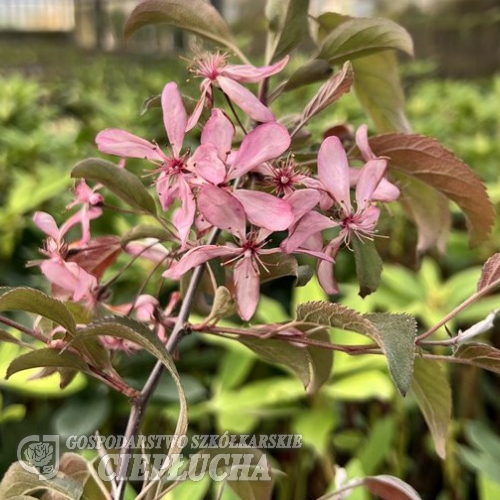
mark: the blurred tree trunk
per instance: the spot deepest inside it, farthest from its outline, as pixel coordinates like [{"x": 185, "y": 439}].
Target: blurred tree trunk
[{"x": 99, "y": 23}]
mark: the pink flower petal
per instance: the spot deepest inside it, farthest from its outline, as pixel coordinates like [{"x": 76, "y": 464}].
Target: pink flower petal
[
  {"x": 246, "y": 73},
  {"x": 333, "y": 171},
  {"x": 208, "y": 165},
  {"x": 363, "y": 144},
  {"x": 265, "y": 142},
  {"x": 386, "y": 191},
  {"x": 326, "y": 269},
  {"x": 302, "y": 201},
  {"x": 245, "y": 100},
  {"x": 218, "y": 131},
  {"x": 222, "y": 210},
  {"x": 247, "y": 284},
  {"x": 369, "y": 178},
  {"x": 198, "y": 110},
  {"x": 174, "y": 116},
  {"x": 47, "y": 224},
  {"x": 149, "y": 249},
  {"x": 183, "y": 217},
  {"x": 265, "y": 210},
  {"x": 198, "y": 256},
  {"x": 118, "y": 142}
]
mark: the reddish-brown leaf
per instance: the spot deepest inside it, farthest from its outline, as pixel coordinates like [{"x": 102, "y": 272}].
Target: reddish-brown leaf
[
  {"x": 490, "y": 273},
  {"x": 427, "y": 160},
  {"x": 482, "y": 355},
  {"x": 390, "y": 488}
]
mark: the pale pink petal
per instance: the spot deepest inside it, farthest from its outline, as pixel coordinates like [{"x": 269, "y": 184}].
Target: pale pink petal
[
  {"x": 83, "y": 217},
  {"x": 218, "y": 131},
  {"x": 246, "y": 73},
  {"x": 386, "y": 191},
  {"x": 309, "y": 225},
  {"x": 198, "y": 110},
  {"x": 326, "y": 269},
  {"x": 208, "y": 165},
  {"x": 183, "y": 217},
  {"x": 247, "y": 283},
  {"x": 174, "y": 116},
  {"x": 245, "y": 100},
  {"x": 265, "y": 210},
  {"x": 367, "y": 219},
  {"x": 47, "y": 224},
  {"x": 85, "y": 282},
  {"x": 222, "y": 210},
  {"x": 118, "y": 142},
  {"x": 145, "y": 306},
  {"x": 149, "y": 249},
  {"x": 333, "y": 171},
  {"x": 198, "y": 256},
  {"x": 167, "y": 189},
  {"x": 363, "y": 144},
  {"x": 369, "y": 178},
  {"x": 302, "y": 201},
  {"x": 265, "y": 142}
]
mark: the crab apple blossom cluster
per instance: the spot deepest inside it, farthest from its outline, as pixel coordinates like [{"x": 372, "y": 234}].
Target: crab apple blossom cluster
[{"x": 241, "y": 186}]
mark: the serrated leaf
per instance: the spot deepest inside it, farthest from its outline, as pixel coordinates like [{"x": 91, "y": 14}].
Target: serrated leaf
[
  {"x": 33, "y": 301},
  {"x": 358, "y": 37},
  {"x": 485, "y": 356},
  {"x": 378, "y": 87},
  {"x": 119, "y": 181},
  {"x": 46, "y": 358},
  {"x": 429, "y": 210},
  {"x": 196, "y": 16},
  {"x": 145, "y": 231},
  {"x": 312, "y": 365},
  {"x": 390, "y": 488},
  {"x": 433, "y": 394},
  {"x": 287, "y": 26},
  {"x": 398, "y": 336},
  {"x": 490, "y": 272},
  {"x": 332, "y": 90},
  {"x": 7, "y": 337},
  {"x": 134, "y": 331},
  {"x": 368, "y": 265},
  {"x": 312, "y": 71},
  {"x": 427, "y": 160}
]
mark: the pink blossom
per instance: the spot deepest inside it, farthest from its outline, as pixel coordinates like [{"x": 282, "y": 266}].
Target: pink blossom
[
  {"x": 174, "y": 170},
  {"x": 215, "y": 70},
  {"x": 69, "y": 276}
]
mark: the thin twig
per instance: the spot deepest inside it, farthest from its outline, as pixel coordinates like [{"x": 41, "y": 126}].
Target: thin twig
[{"x": 14, "y": 324}]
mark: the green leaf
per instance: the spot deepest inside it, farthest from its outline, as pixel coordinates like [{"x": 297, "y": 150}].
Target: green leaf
[
  {"x": 433, "y": 394},
  {"x": 398, "y": 342},
  {"x": 45, "y": 358},
  {"x": 278, "y": 266},
  {"x": 134, "y": 331},
  {"x": 74, "y": 466},
  {"x": 358, "y": 37},
  {"x": 378, "y": 445},
  {"x": 196, "y": 16},
  {"x": 223, "y": 305},
  {"x": 482, "y": 438},
  {"x": 368, "y": 265},
  {"x": 33, "y": 301},
  {"x": 287, "y": 26},
  {"x": 427, "y": 160},
  {"x": 119, "y": 181},
  {"x": 378, "y": 87},
  {"x": 145, "y": 231},
  {"x": 482, "y": 355},
  {"x": 7, "y": 337},
  {"x": 315, "y": 426},
  {"x": 312, "y": 365}
]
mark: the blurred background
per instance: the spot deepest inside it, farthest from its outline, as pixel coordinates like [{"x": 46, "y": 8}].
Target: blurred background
[{"x": 65, "y": 74}]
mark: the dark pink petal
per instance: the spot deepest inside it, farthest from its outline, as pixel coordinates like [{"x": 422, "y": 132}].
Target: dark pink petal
[
  {"x": 386, "y": 191},
  {"x": 363, "y": 144},
  {"x": 245, "y": 100},
  {"x": 218, "y": 131},
  {"x": 47, "y": 224},
  {"x": 208, "y": 165},
  {"x": 118, "y": 142},
  {"x": 333, "y": 171},
  {"x": 174, "y": 116},
  {"x": 309, "y": 225},
  {"x": 167, "y": 189},
  {"x": 198, "y": 110},
  {"x": 247, "y": 283},
  {"x": 83, "y": 217},
  {"x": 326, "y": 269},
  {"x": 149, "y": 249},
  {"x": 222, "y": 210},
  {"x": 246, "y": 73},
  {"x": 183, "y": 217},
  {"x": 369, "y": 178},
  {"x": 265, "y": 142},
  {"x": 265, "y": 210},
  {"x": 302, "y": 201},
  {"x": 198, "y": 256}
]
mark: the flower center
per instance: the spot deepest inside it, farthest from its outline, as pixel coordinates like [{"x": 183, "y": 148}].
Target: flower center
[{"x": 209, "y": 65}]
